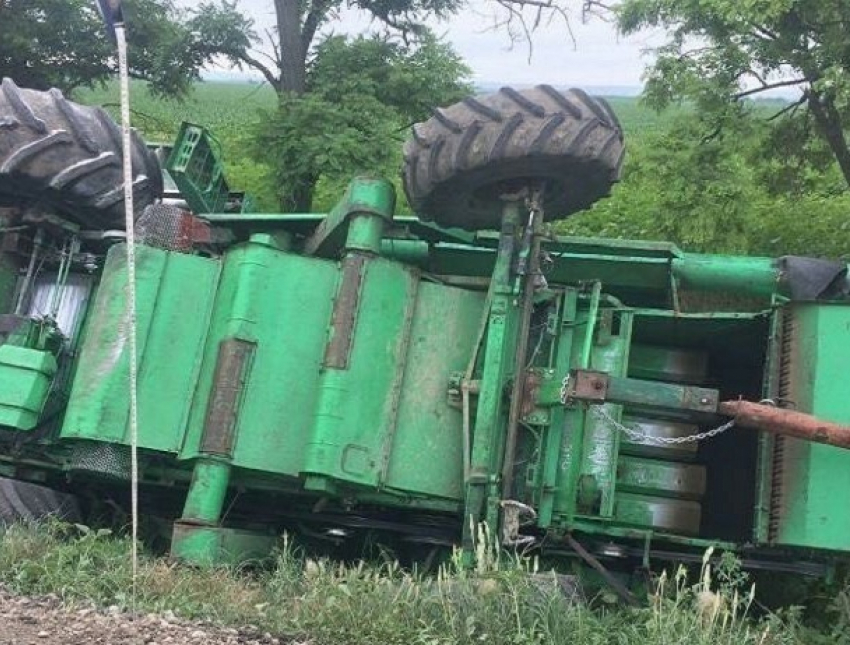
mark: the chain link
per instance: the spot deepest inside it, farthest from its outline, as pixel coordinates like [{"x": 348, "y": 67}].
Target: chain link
[
  {"x": 565, "y": 390},
  {"x": 636, "y": 435},
  {"x": 641, "y": 437}
]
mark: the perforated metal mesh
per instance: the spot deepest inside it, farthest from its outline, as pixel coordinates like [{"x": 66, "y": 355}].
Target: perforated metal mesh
[
  {"x": 163, "y": 226},
  {"x": 110, "y": 459}
]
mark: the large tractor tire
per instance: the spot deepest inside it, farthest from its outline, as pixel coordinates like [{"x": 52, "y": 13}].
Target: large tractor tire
[
  {"x": 25, "y": 502},
  {"x": 459, "y": 163},
  {"x": 68, "y": 158}
]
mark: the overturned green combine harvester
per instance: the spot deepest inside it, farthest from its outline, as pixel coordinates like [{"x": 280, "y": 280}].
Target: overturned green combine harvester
[{"x": 357, "y": 373}]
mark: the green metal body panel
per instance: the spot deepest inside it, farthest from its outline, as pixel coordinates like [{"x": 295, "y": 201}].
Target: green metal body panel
[
  {"x": 750, "y": 275},
  {"x": 25, "y": 379},
  {"x": 281, "y": 303},
  {"x": 357, "y": 409},
  {"x": 812, "y": 511},
  {"x": 362, "y": 371},
  {"x": 174, "y": 300},
  {"x": 428, "y": 432}
]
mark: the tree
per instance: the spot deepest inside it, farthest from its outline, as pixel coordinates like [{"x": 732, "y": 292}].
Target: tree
[
  {"x": 722, "y": 194},
  {"x": 299, "y": 22},
  {"x": 721, "y": 52},
  {"x": 295, "y": 63},
  {"x": 62, "y": 43},
  {"x": 359, "y": 95}
]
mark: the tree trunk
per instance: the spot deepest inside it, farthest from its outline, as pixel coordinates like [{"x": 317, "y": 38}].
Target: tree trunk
[
  {"x": 293, "y": 64},
  {"x": 829, "y": 123},
  {"x": 300, "y": 197}
]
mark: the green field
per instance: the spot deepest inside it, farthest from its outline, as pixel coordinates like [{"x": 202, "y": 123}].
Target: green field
[
  {"x": 227, "y": 108},
  {"x": 223, "y": 107}
]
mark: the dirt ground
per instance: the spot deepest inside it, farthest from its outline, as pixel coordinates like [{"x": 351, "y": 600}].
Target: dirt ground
[{"x": 44, "y": 621}]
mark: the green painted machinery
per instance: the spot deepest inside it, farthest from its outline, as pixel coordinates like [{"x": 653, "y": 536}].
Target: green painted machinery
[{"x": 358, "y": 375}]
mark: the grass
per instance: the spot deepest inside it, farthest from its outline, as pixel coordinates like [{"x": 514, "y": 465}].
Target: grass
[{"x": 334, "y": 604}]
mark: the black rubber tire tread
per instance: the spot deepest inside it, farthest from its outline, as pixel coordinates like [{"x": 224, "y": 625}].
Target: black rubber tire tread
[
  {"x": 459, "y": 163},
  {"x": 26, "y": 502},
  {"x": 68, "y": 157}
]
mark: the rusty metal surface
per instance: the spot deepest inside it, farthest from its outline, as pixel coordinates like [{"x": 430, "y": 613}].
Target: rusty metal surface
[
  {"x": 791, "y": 423},
  {"x": 344, "y": 313},
  {"x": 231, "y": 372},
  {"x": 530, "y": 391},
  {"x": 781, "y": 475},
  {"x": 588, "y": 385},
  {"x": 401, "y": 351}
]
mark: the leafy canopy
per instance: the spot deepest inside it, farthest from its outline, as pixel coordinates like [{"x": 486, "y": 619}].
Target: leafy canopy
[
  {"x": 726, "y": 194},
  {"x": 62, "y": 43},
  {"x": 722, "y": 51}
]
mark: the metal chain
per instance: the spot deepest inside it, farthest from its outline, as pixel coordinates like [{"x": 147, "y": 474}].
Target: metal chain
[
  {"x": 635, "y": 435},
  {"x": 565, "y": 390}
]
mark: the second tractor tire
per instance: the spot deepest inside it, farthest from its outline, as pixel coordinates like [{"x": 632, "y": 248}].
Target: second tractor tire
[{"x": 459, "y": 163}]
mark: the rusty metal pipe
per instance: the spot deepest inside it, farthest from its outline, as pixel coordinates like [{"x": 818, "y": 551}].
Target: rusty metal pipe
[{"x": 786, "y": 422}]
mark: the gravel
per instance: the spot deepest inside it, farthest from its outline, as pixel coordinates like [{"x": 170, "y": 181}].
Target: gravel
[{"x": 46, "y": 621}]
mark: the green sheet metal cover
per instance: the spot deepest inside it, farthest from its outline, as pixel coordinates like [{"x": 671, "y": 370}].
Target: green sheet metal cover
[
  {"x": 174, "y": 298},
  {"x": 25, "y": 377}
]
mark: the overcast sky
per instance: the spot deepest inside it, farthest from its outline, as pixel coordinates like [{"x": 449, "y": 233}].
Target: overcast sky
[{"x": 597, "y": 58}]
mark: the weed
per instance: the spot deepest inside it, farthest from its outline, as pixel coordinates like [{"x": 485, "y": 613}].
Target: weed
[{"x": 506, "y": 601}]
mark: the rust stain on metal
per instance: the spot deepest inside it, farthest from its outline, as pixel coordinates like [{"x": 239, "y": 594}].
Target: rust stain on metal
[
  {"x": 231, "y": 373},
  {"x": 530, "y": 393},
  {"x": 589, "y": 385},
  {"x": 344, "y": 313},
  {"x": 401, "y": 350},
  {"x": 784, "y": 457},
  {"x": 791, "y": 423}
]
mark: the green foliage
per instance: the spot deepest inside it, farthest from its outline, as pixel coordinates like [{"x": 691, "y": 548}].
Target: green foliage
[
  {"x": 505, "y": 602},
  {"x": 730, "y": 193},
  {"x": 362, "y": 92},
  {"x": 63, "y": 43},
  {"x": 720, "y": 51},
  {"x": 408, "y": 79},
  {"x": 309, "y": 136}
]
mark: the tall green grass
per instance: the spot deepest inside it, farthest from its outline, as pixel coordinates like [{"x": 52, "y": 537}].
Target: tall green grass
[{"x": 501, "y": 603}]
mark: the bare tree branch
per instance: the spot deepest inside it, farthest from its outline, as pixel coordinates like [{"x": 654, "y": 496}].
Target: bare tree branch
[
  {"x": 770, "y": 86},
  {"x": 791, "y": 107},
  {"x": 318, "y": 9},
  {"x": 275, "y": 47},
  {"x": 520, "y": 26},
  {"x": 601, "y": 10},
  {"x": 763, "y": 33},
  {"x": 252, "y": 62}
]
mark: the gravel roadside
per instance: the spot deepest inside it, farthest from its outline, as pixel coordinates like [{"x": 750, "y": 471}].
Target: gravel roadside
[{"x": 45, "y": 621}]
